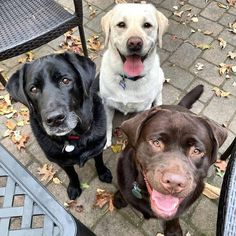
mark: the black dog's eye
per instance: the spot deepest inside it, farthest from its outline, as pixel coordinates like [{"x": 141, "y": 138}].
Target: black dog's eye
[
  {"x": 147, "y": 25},
  {"x": 65, "y": 81},
  {"x": 34, "y": 89},
  {"x": 121, "y": 24}
]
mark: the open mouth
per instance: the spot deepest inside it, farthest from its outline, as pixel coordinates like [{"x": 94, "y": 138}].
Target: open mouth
[
  {"x": 133, "y": 64},
  {"x": 164, "y": 206}
]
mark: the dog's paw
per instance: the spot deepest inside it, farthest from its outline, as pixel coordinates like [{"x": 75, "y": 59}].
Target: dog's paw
[
  {"x": 118, "y": 201},
  {"x": 73, "y": 191},
  {"x": 106, "y": 176}
]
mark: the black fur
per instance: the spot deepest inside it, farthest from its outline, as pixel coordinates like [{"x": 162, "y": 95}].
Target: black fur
[{"x": 58, "y": 89}]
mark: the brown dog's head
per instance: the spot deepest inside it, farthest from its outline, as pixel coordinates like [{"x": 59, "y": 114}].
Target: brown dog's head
[{"x": 174, "y": 148}]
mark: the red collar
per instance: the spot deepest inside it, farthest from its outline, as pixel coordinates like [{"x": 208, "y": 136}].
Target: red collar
[{"x": 73, "y": 137}]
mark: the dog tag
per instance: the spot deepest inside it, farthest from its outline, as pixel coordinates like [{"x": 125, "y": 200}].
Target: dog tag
[
  {"x": 68, "y": 147},
  {"x": 136, "y": 191}
]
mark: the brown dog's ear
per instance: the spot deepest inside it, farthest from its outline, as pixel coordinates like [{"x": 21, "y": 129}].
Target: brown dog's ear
[
  {"x": 84, "y": 66},
  {"x": 15, "y": 87},
  {"x": 105, "y": 22},
  {"x": 219, "y": 136},
  {"x": 162, "y": 25},
  {"x": 132, "y": 127}
]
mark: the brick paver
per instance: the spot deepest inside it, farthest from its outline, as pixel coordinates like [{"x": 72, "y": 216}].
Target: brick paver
[{"x": 179, "y": 57}]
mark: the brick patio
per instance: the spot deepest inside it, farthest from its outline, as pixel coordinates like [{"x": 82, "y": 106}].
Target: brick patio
[{"x": 179, "y": 56}]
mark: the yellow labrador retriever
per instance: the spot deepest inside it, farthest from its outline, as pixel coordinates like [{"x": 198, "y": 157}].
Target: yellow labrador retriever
[{"x": 131, "y": 78}]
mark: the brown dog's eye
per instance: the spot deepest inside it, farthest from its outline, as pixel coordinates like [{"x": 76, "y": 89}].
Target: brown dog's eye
[
  {"x": 121, "y": 24},
  {"x": 34, "y": 89},
  {"x": 157, "y": 144},
  {"x": 147, "y": 25},
  {"x": 195, "y": 152},
  {"x": 65, "y": 81}
]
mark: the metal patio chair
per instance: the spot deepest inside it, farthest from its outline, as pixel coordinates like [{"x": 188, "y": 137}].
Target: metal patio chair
[{"x": 28, "y": 24}]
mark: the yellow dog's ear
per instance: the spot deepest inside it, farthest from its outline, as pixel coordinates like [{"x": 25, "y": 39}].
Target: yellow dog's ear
[
  {"x": 105, "y": 22},
  {"x": 162, "y": 25}
]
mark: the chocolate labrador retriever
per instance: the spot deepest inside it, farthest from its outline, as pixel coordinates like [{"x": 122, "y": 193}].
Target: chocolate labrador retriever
[
  {"x": 169, "y": 152},
  {"x": 66, "y": 114}
]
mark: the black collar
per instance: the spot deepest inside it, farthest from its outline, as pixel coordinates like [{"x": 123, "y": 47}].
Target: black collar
[{"x": 131, "y": 78}]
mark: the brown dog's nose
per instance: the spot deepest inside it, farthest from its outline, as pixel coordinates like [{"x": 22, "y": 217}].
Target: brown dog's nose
[
  {"x": 173, "y": 183},
  {"x": 134, "y": 44}
]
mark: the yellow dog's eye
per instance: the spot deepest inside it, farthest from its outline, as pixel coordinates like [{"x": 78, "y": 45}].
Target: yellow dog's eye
[
  {"x": 121, "y": 24},
  {"x": 147, "y": 25}
]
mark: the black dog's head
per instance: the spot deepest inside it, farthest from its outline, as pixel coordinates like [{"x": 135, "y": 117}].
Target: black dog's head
[{"x": 55, "y": 88}]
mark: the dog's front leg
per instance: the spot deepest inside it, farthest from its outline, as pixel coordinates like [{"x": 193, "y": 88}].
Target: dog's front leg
[
  {"x": 172, "y": 228},
  {"x": 109, "y": 116},
  {"x": 73, "y": 189},
  {"x": 104, "y": 173}
]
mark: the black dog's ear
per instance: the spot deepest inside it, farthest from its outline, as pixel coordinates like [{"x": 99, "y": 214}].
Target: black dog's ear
[
  {"x": 15, "y": 87},
  {"x": 85, "y": 67},
  {"x": 133, "y": 126}
]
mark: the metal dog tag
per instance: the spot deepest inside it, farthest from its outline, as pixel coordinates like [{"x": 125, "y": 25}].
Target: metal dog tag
[
  {"x": 68, "y": 147},
  {"x": 136, "y": 191}
]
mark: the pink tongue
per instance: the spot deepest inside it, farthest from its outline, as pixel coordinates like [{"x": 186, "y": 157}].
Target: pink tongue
[
  {"x": 164, "y": 202},
  {"x": 133, "y": 65}
]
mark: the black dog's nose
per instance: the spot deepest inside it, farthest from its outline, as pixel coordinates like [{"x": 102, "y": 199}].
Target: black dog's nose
[
  {"x": 55, "y": 118},
  {"x": 134, "y": 44},
  {"x": 173, "y": 182}
]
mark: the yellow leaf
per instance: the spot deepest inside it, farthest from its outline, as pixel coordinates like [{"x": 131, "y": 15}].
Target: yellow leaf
[
  {"x": 11, "y": 124},
  {"x": 203, "y": 46},
  {"x": 56, "y": 180},
  {"x": 221, "y": 5},
  {"x": 116, "y": 148},
  {"x": 211, "y": 191}
]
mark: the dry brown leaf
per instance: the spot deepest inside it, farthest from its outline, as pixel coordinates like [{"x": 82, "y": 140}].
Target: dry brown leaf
[
  {"x": 102, "y": 198},
  {"x": 11, "y": 124},
  {"x": 28, "y": 57},
  {"x": 223, "y": 43},
  {"x": 224, "y": 68},
  {"x": 221, "y": 5},
  {"x": 22, "y": 142},
  {"x": 231, "y": 55},
  {"x": 178, "y": 13},
  {"x": 231, "y": 2},
  {"x": 207, "y": 32},
  {"x": 211, "y": 191},
  {"x": 221, "y": 165},
  {"x": 47, "y": 172},
  {"x": 94, "y": 44},
  {"x": 203, "y": 46},
  {"x": 220, "y": 93},
  {"x": 232, "y": 27}
]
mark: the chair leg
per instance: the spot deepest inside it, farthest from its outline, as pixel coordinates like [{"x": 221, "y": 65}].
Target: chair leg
[
  {"x": 2, "y": 80},
  {"x": 229, "y": 150},
  {"x": 83, "y": 41}
]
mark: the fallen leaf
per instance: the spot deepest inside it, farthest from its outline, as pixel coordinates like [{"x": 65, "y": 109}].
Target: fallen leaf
[
  {"x": 233, "y": 68},
  {"x": 232, "y": 27},
  {"x": 95, "y": 44},
  {"x": 224, "y": 68},
  {"x": 219, "y": 172},
  {"x": 84, "y": 185},
  {"x": 102, "y": 198},
  {"x": 231, "y": 2},
  {"x": 207, "y": 32},
  {"x": 211, "y": 191},
  {"x": 22, "y": 142},
  {"x": 70, "y": 203},
  {"x": 120, "y": 1},
  {"x": 28, "y": 57},
  {"x": 159, "y": 234},
  {"x": 221, "y": 5},
  {"x": 56, "y": 180},
  {"x": 11, "y": 124},
  {"x": 223, "y": 43},
  {"x": 167, "y": 80},
  {"x": 188, "y": 234},
  {"x": 47, "y": 172},
  {"x": 79, "y": 208},
  {"x": 194, "y": 19},
  {"x": 221, "y": 165},
  {"x": 178, "y": 13},
  {"x": 116, "y": 148},
  {"x": 231, "y": 55},
  {"x": 220, "y": 92},
  {"x": 199, "y": 66},
  {"x": 203, "y": 46}
]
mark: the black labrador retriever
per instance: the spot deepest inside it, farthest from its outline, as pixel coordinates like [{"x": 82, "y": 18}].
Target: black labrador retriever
[
  {"x": 66, "y": 114},
  {"x": 169, "y": 152}
]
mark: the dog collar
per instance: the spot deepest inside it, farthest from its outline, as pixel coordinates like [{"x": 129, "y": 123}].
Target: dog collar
[
  {"x": 68, "y": 147},
  {"x": 124, "y": 77}
]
